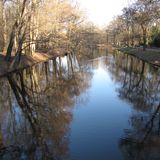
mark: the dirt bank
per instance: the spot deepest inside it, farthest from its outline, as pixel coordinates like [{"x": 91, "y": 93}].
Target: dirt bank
[{"x": 26, "y": 61}]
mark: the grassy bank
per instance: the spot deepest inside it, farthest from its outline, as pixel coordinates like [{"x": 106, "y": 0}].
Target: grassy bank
[
  {"x": 151, "y": 55},
  {"x": 26, "y": 61}
]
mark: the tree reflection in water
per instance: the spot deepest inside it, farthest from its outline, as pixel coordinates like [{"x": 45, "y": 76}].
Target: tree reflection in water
[
  {"x": 37, "y": 109},
  {"x": 140, "y": 86},
  {"x": 37, "y": 103}
]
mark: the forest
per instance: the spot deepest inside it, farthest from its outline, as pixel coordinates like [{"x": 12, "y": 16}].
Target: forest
[
  {"x": 29, "y": 26},
  {"x": 51, "y": 26},
  {"x": 139, "y": 24}
]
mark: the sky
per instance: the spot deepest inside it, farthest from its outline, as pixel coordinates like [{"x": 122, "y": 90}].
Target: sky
[{"x": 101, "y": 12}]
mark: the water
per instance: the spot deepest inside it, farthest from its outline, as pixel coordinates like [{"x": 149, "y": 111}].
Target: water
[{"x": 87, "y": 109}]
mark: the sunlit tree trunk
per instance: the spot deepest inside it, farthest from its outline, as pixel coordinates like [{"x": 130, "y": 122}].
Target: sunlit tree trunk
[
  {"x": 33, "y": 28},
  {"x": 132, "y": 30},
  {"x": 18, "y": 25},
  {"x": 2, "y": 41}
]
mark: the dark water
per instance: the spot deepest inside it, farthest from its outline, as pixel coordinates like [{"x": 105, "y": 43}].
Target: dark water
[{"x": 105, "y": 108}]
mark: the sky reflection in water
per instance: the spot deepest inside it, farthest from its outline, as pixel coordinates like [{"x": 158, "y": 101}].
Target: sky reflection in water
[
  {"x": 98, "y": 125},
  {"x": 64, "y": 109}
]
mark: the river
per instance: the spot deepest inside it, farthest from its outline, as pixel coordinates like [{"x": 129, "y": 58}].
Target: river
[{"x": 74, "y": 108}]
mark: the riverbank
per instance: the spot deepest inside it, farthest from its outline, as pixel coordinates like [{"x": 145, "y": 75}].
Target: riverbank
[
  {"x": 151, "y": 55},
  {"x": 26, "y": 61}
]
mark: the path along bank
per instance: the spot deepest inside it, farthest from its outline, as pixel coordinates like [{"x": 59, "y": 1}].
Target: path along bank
[{"x": 151, "y": 55}]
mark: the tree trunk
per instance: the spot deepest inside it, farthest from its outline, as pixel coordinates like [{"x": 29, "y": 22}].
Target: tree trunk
[
  {"x": 144, "y": 29},
  {"x": 132, "y": 39},
  {"x": 11, "y": 42},
  {"x": 17, "y": 57},
  {"x": 33, "y": 29},
  {"x": 17, "y": 26},
  {"x": 2, "y": 41}
]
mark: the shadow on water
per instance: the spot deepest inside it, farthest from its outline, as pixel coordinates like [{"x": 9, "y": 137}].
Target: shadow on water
[
  {"x": 37, "y": 106},
  {"x": 36, "y": 109}
]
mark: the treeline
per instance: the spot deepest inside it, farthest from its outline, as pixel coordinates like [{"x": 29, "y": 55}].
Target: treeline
[
  {"x": 27, "y": 26},
  {"x": 139, "y": 24}
]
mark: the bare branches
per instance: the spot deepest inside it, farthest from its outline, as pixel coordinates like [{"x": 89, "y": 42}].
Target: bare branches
[{"x": 137, "y": 21}]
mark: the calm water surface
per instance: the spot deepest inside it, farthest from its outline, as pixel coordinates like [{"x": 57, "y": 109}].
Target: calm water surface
[{"x": 105, "y": 108}]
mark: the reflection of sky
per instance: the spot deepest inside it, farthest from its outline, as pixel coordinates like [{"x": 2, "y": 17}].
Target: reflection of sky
[
  {"x": 99, "y": 115},
  {"x": 14, "y": 125},
  {"x": 98, "y": 126}
]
